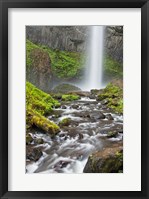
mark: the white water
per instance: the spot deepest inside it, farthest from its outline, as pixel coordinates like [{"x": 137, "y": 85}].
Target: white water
[{"x": 94, "y": 71}]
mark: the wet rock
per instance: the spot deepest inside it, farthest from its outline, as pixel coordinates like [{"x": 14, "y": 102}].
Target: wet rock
[
  {"x": 62, "y": 164},
  {"x": 96, "y": 92},
  {"x": 109, "y": 160},
  {"x": 104, "y": 102},
  {"x": 33, "y": 154},
  {"x": 82, "y": 114},
  {"x": 38, "y": 141},
  {"x": 109, "y": 117},
  {"x": 92, "y": 97},
  {"x": 112, "y": 134},
  {"x": 29, "y": 138},
  {"x": 64, "y": 107},
  {"x": 75, "y": 106},
  {"x": 80, "y": 136},
  {"x": 97, "y": 115},
  {"x": 74, "y": 132}
]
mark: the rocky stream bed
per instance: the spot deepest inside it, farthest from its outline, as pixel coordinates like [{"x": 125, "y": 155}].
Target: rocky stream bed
[{"x": 89, "y": 135}]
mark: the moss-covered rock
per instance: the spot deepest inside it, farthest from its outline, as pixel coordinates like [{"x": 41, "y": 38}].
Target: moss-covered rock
[
  {"x": 109, "y": 160},
  {"x": 112, "y": 134},
  {"x": 39, "y": 101},
  {"x": 29, "y": 138},
  {"x": 65, "y": 122},
  {"x": 65, "y": 88},
  {"x": 38, "y": 104},
  {"x": 70, "y": 97},
  {"x": 38, "y": 141},
  {"x": 113, "y": 96}
]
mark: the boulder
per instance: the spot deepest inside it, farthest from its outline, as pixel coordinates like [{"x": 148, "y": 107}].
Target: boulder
[
  {"x": 38, "y": 141},
  {"x": 29, "y": 138},
  {"x": 65, "y": 88},
  {"x": 65, "y": 122},
  {"x": 97, "y": 115},
  {"x": 33, "y": 154},
  {"x": 112, "y": 134},
  {"x": 109, "y": 160},
  {"x": 109, "y": 117}
]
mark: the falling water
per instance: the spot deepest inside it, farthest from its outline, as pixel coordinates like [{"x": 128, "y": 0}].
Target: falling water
[{"x": 95, "y": 58}]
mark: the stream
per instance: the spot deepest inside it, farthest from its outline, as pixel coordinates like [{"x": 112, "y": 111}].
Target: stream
[{"x": 89, "y": 131}]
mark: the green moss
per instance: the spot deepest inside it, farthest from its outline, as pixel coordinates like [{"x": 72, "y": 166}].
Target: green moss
[
  {"x": 64, "y": 64},
  {"x": 29, "y": 139},
  {"x": 70, "y": 97},
  {"x": 65, "y": 122},
  {"x": 114, "y": 95},
  {"x": 29, "y": 47},
  {"x": 38, "y": 104},
  {"x": 112, "y": 67},
  {"x": 111, "y": 164},
  {"x": 45, "y": 124},
  {"x": 38, "y": 100}
]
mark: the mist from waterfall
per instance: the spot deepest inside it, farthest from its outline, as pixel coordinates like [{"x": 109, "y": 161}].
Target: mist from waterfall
[{"x": 94, "y": 64}]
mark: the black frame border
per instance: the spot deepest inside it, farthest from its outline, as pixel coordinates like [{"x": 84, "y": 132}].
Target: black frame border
[{"x": 4, "y": 6}]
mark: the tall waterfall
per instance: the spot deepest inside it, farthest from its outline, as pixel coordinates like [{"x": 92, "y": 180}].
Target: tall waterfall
[{"x": 94, "y": 69}]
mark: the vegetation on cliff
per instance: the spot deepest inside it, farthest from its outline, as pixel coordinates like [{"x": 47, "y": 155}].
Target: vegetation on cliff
[
  {"x": 64, "y": 64},
  {"x": 112, "y": 68}
]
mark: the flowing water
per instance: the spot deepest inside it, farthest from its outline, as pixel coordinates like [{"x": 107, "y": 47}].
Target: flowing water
[{"x": 68, "y": 152}]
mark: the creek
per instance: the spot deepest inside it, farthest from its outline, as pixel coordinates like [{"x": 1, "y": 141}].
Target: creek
[{"x": 89, "y": 130}]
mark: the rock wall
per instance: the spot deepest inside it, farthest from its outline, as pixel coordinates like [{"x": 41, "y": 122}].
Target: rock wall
[
  {"x": 114, "y": 42},
  {"x": 69, "y": 38},
  {"x": 74, "y": 38},
  {"x": 40, "y": 72}
]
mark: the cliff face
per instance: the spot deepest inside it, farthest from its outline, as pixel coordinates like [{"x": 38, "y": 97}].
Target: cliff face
[
  {"x": 114, "y": 42},
  {"x": 69, "y": 38},
  {"x": 56, "y": 53}
]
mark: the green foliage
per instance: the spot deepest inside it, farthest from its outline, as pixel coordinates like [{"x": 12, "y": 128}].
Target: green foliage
[
  {"x": 64, "y": 64},
  {"x": 114, "y": 95},
  {"x": 39, "y": 104},
  {"x": 70, "y": 97},
  {"x": 112, "y": 67},
  {"x": 29, "y": 47},
  {"x": 45, "y": 124},
  {"x": 38, "y": 100}
]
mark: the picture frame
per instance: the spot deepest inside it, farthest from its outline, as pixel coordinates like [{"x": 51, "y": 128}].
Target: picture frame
[{"x": 4, "y": 6}]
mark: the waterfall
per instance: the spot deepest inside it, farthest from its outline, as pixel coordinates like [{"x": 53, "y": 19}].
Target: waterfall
[{"x": 94, "y": 71}]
